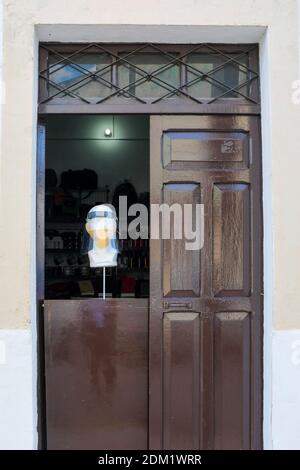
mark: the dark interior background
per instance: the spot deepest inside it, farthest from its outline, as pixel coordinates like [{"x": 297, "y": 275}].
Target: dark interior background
[{"x": 78, "y": 143}]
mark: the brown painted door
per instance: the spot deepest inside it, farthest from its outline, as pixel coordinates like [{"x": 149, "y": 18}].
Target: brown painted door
[
  {"x": 205, "y": 325},
  {"x": 96, "y": 364}
]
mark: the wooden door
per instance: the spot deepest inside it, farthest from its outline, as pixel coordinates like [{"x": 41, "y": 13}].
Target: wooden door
[
  {"x": 96, "y": 363},
  {"x": 205, "y": 325}
]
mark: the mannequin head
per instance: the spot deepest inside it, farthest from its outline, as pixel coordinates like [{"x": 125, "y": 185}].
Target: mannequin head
[{"x": 100, "y": 236}]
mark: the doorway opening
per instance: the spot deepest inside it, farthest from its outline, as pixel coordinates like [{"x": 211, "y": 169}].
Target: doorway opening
[
  {"x": 92, "y": 160},
  {"x": 182, "y": 369}
]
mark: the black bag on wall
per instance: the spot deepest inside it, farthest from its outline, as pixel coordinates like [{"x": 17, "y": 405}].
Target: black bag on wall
[
  {"x": 79, "y": 179},
  {"x": 50, "y": 178},
  {"x": 124, "y": 189}
]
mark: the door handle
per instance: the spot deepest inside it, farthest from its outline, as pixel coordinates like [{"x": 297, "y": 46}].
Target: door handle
[{"x": 168, "y": 305}]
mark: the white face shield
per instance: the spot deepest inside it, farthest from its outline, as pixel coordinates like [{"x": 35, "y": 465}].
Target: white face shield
[{"x": 100, "y": 236}]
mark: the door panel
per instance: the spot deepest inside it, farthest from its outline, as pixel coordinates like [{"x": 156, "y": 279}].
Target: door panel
[
  {"x": 181, "y": 366},
  {"x": 207, "y": 148},
  {"x": 232, "y": 380},
  {"x": 96, "y": 373},
  {"x": 231, "y": 239},
  {"x": 205, "y": 323},
  {"x": 181, "y": 267}
]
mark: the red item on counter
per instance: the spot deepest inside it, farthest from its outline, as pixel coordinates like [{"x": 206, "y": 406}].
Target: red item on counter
[{"x": 128, "y": 286}]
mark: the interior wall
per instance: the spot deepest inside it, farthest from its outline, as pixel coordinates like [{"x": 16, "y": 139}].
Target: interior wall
[{"x": 77, "y": 142}]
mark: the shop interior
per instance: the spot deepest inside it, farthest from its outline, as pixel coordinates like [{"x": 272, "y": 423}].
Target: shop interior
[{"x": 92, "y": 160}]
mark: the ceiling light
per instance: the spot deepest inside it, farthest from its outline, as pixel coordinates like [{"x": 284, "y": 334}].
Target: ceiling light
[{"x": 108, "y": 132}]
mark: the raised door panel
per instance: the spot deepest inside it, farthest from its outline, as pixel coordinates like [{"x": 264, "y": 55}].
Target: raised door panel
[
  {"x": 184, "y": 149},
  {"x": 231, "y": 240},
  {"x": 231, "y": 364},
  {"x": 181, "y": 399},
  {"x": 181, "y": 266}
]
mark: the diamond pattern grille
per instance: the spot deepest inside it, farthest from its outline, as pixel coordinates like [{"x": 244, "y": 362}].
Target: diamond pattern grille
[{"x": 148, "y": 73}]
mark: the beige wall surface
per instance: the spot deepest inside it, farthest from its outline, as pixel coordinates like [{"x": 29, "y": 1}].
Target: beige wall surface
[{"x": 18, "y": 146}]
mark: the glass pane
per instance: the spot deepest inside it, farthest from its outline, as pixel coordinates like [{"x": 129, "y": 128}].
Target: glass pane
[
  {"x": 221, "y": 76},
  {"x": 134, "y": 75},
  {"x": 75, "y": 77},
  {"x": 86, "y": 169}
]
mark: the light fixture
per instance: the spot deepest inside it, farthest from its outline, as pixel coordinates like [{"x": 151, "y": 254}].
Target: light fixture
[{"x": 108, "y": 132}]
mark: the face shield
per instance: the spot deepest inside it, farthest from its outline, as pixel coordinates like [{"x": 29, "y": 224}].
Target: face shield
[{"x": 100, "y": 236}]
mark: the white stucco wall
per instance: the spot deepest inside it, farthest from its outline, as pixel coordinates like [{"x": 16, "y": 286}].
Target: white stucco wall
[
  {"x": 16, "y": 390},
  {"x": 285, "y": 390},
  {"x": 273, "y": 23}
]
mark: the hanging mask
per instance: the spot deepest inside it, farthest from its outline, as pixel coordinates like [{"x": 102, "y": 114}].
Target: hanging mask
[{"x": 100, "y": 236}]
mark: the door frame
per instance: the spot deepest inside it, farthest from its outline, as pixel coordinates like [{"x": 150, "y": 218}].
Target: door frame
[{"x": 46, "y": 110}]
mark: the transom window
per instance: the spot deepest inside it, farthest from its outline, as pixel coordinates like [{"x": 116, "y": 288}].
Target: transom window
[{"x": 94, "y": 74}]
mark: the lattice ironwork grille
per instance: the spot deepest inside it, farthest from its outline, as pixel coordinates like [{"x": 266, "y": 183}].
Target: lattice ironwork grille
[{"x": 148, "y": 73}]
